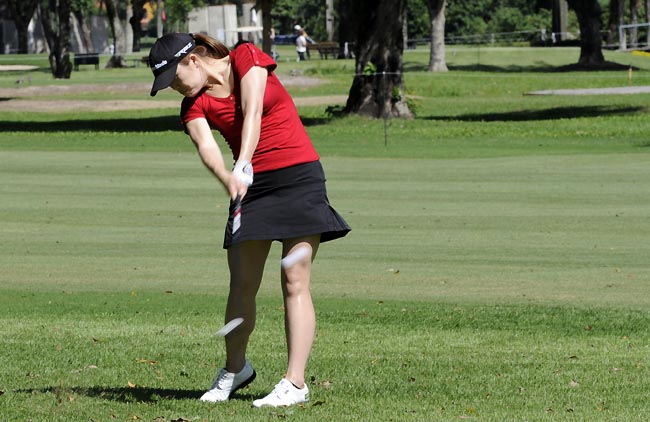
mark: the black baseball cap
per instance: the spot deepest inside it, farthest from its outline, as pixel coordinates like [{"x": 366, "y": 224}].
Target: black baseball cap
[{"x": 164, "y": 57}]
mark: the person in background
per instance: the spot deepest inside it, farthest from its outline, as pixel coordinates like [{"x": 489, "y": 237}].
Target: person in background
[
  {"x": 301, "y": 46},
  {"x": 299, "y": 29},
  {"x": 276, "y": 188},
  {"x": 274, "y": 53}
]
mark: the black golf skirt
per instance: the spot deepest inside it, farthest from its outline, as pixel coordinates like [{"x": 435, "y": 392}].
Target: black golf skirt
[{"x": 284, "y": 204}]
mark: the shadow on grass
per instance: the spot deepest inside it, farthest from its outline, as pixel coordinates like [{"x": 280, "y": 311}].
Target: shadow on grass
[
  {"x": 315, "y": 121},
  {"x": 130, "y": 395},
  {"x": 147, "y": 124},
  {"x": 554, "y": 113},
  {"x": 539, "y": 67}
]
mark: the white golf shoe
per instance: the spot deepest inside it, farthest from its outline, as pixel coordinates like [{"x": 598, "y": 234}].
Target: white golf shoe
[
  {"x": 226, "y": 383},
  {"x": 284, "y": 394}
]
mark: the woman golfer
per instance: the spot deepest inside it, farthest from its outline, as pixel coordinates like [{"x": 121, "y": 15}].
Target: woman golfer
[{"x": 277, "y": 191}]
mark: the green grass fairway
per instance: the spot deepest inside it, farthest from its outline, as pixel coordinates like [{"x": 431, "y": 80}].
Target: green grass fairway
[
  {"x": 477, "y": 287},
  {"x": 498, "y": 268}
]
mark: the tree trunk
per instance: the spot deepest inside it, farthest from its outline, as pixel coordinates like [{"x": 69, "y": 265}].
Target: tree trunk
[
  {"x": 622, "y": 42},
  {"x": 437, "y": 58},
  {"x": 117, "y": 31},
  {"x": 634, "y": 19},
  {"x": 22, "y": 12},
  {"x": 346, "y": 27},
  {"x": 612, "y": 25},
  {"x": 55, "y": 18},
  {"x": 329, "y": 19},
  {"x": 159, "y": 21},
  {"x": 647, "y": 19},
  {"x": 267, "y": 24},
  {"x": 588, "y": 13},
  {"x": 378, "y": 89},
  {"x": 85, "y": 31},
  {"x": 138, "y": 13}
]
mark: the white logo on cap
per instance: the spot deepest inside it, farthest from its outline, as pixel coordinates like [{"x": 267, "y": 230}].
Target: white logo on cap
[
  {"x": 161, "y": 64},
  {"x": 184, "y": 50}
]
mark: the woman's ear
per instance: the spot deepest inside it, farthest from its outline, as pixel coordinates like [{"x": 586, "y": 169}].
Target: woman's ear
[{"x": 194, "y": 59}]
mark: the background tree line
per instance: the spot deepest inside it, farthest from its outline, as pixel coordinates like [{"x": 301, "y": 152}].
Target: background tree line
[
  {"x": 377, "y": 30},
  {"x": 463, "y": 18}
]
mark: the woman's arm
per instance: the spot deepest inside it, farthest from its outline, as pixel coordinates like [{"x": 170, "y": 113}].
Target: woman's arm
[
  {"x": 210, "y": 154},
  {"x": 252, "y": 86}
]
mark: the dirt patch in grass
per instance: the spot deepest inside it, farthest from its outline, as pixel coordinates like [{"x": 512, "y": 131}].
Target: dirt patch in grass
[{"x": 23, "y": 98}]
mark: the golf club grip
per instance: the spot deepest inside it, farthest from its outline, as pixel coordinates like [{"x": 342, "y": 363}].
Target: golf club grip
[{"x": 236, "y": 215}]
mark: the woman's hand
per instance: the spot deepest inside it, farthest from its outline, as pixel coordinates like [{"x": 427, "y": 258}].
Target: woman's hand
[{"x": 236, "y": 187}]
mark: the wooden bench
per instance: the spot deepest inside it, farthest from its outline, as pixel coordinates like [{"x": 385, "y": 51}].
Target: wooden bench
[
  {"x": 86, "y": 58},
  {"x": 143, "y": 60},
  {"x": 326, "y": 49}
]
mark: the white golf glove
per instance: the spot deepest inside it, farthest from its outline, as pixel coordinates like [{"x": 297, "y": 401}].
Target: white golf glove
[{"x": 243, "y": 171}]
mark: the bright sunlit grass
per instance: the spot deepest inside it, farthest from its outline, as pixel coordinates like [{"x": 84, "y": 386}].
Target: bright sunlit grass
[{"x": 497, "y": 268}]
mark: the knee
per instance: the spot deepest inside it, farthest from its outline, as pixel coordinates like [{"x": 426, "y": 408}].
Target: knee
[
  {"x": 296, "y": 278},
  {"x": 243, "y": 289}
]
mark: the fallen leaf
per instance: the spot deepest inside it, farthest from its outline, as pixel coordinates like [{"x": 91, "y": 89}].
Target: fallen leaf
[
  {"x": 587, "y": 327},
  {"x": 574, "y": 384},
  {"x": 130, "y": 384},
  {"x": 326, "y": 384},
  {"x": 135, "y": 417}
]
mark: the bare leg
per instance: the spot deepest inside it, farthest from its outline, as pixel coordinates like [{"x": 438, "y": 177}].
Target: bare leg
[
  {"x": 300, "y": 319},
  {"x": 246, "y": 262}
]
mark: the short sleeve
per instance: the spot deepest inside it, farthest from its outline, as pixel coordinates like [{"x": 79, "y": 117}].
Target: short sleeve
[
  {"x": 246, "y": 55},
  {"x": 191, "y": 108}
]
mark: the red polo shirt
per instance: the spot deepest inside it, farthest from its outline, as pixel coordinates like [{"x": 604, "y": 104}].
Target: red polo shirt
[{"x": 283, "y": 140}]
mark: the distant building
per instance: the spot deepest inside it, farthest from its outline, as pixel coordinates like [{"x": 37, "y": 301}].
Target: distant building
[{"x": 221, "y": 22}]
